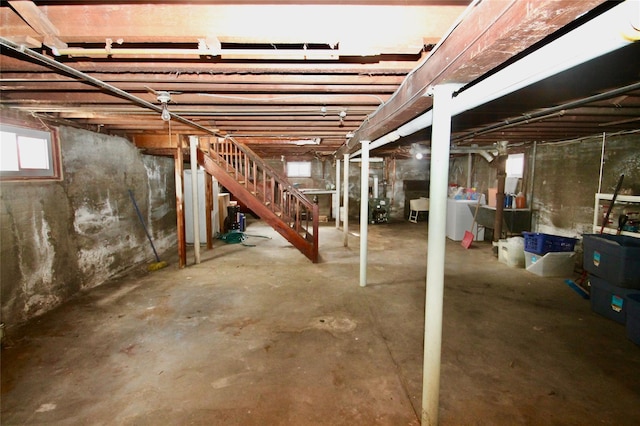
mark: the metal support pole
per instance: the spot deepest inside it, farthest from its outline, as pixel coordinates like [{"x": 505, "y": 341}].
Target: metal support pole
[
  {"x": 469, "y": 167},
  {"x": 178, "y": 160},
  {"x": 376, "y": 183},
  {"x": 364, "y": 211},
  {"x": 439, "y": 175},
  {"x": 336, "y": 196},
  {"x": 193, "y": 144},
  {"x": 345, "y": 202}
]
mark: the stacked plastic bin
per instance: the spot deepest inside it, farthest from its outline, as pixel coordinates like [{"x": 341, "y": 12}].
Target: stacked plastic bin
[
  {"x": 613, "y": 264},
  {"x": 549, "y": 255}
]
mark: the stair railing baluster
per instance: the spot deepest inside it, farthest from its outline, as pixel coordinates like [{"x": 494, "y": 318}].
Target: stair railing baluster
[{"x": 274, "y": 192}]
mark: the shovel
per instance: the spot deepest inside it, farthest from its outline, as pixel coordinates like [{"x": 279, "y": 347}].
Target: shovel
[{"x": 468, "y": 235}]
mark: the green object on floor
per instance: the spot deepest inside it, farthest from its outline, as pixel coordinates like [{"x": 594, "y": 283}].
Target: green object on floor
[{"x": 238, "y": 237}]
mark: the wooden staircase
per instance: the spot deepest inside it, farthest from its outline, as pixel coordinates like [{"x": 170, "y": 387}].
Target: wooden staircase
[{"x": 266, "y": 192}]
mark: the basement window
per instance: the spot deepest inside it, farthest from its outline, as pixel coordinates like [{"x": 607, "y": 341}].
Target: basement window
[
  {"x": 28, "y": 154},
  {"x": 299, "y": 169},
  {"x": 515, "y": 165}
]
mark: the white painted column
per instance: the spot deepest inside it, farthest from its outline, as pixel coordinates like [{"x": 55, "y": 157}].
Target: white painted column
[
  {"x": 439, "y": 175},
  {"x": 193, "y": 145},
  {"x": 469, "y": 167},
  {"x": 364, "y": 211},
  {"x": 345, "y": 202},
  {"x": 376, "y": 183},
  {"x": 336, "y": 196}
]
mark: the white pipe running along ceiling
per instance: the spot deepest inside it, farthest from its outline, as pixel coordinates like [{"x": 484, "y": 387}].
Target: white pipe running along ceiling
[{"x": 603, "y": 34}]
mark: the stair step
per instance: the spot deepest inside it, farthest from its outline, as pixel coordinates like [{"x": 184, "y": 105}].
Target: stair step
[{"x": 248, "y": 187}]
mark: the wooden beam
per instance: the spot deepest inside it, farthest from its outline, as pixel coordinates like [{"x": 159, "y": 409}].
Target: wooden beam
[
  {"x": 208, "y": 192},
  {"x": 151, "y": 142},
  {"x": 39, "y": 22},
  {"x": 488, "y": 36}
]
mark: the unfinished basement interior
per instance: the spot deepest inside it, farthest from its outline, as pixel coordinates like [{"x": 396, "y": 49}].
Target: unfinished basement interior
[{"x": 320, "y": 212}]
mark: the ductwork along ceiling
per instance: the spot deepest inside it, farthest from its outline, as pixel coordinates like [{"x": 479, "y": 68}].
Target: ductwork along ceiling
[{"x": 315, "y": 77}]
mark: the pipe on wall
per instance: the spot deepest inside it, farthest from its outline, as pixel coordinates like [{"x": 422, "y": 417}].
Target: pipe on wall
[{"x": 486, "y": 153}]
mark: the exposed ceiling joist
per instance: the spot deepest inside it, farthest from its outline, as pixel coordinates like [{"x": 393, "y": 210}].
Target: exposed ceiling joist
[{"x": 266, "y": 101}]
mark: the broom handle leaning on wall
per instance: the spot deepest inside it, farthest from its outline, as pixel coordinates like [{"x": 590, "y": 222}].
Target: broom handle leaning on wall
[
  {"x": 133, "y": 200},
  {"x": 605, "y": 221}
]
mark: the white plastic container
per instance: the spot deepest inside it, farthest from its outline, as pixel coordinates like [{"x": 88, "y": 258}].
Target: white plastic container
[
  {"x": 552, "y": 264},
  {"x": 511, "y": 252}
]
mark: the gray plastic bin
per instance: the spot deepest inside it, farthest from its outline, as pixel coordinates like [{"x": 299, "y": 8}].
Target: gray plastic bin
[{"x": 615, "y": 258}]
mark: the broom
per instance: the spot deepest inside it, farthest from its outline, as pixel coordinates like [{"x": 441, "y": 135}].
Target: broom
[{"x": 158, "y": 264}]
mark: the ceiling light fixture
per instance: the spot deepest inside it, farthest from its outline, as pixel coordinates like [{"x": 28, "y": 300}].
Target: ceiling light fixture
[
  {"x": 164, "y": 98},
  {"x": 301, "y": 142},
  {"x": 343, "y": 114},
  {"x": 166, "y": 116}
]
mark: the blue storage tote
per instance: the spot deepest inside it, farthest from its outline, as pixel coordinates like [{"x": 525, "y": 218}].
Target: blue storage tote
[
  {"x": 633, "y": 318},
  {"x": 609, "y": 300},
  {"x": 615, "y": 258},
  {"x": 539, "y": 243}
]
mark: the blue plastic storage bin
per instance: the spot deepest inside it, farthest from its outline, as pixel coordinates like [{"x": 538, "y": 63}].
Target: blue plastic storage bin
[
  {"x": 615, "y": 258},
  {"x": 539, "y": 243},
  {"x": 609, "y": 300},
  {"x": 633, "y": 318}
]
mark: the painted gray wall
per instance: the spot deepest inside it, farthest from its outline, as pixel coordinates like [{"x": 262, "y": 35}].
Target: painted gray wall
[{"x": 62, "y": 237}]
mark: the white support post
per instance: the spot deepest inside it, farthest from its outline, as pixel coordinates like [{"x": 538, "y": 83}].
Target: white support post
[
  {"x": 193, "y": 145},
  {"x": 336, "y": 196},
  {"x": 364, "y": 211},
  {"x": 345, "y": 202},
  {"x": 376, "y": 183},
  {"x": 469, "y": 167},
  {"x": 439, "y": 174}
]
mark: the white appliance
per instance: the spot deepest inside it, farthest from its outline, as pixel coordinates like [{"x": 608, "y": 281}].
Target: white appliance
[
  {"x": 188, "y": 207},
  {"x": 460, "y": 219}
]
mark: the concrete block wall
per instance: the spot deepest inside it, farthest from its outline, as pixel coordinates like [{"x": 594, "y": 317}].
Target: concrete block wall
[{"x": 61, "y": 237}]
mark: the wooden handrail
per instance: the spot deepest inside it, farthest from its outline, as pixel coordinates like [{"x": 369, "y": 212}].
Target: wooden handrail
[{"x": 274, "y": 192}]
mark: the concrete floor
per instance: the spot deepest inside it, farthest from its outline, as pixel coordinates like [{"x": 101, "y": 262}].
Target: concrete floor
[{"x": 260, "y": 336}]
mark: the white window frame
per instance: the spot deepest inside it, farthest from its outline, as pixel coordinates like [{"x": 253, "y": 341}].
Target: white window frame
[
  {"x": 15, "y": 141},
  {"x": 299, "y": 169},
  {"x": 515, "y": 165}
]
